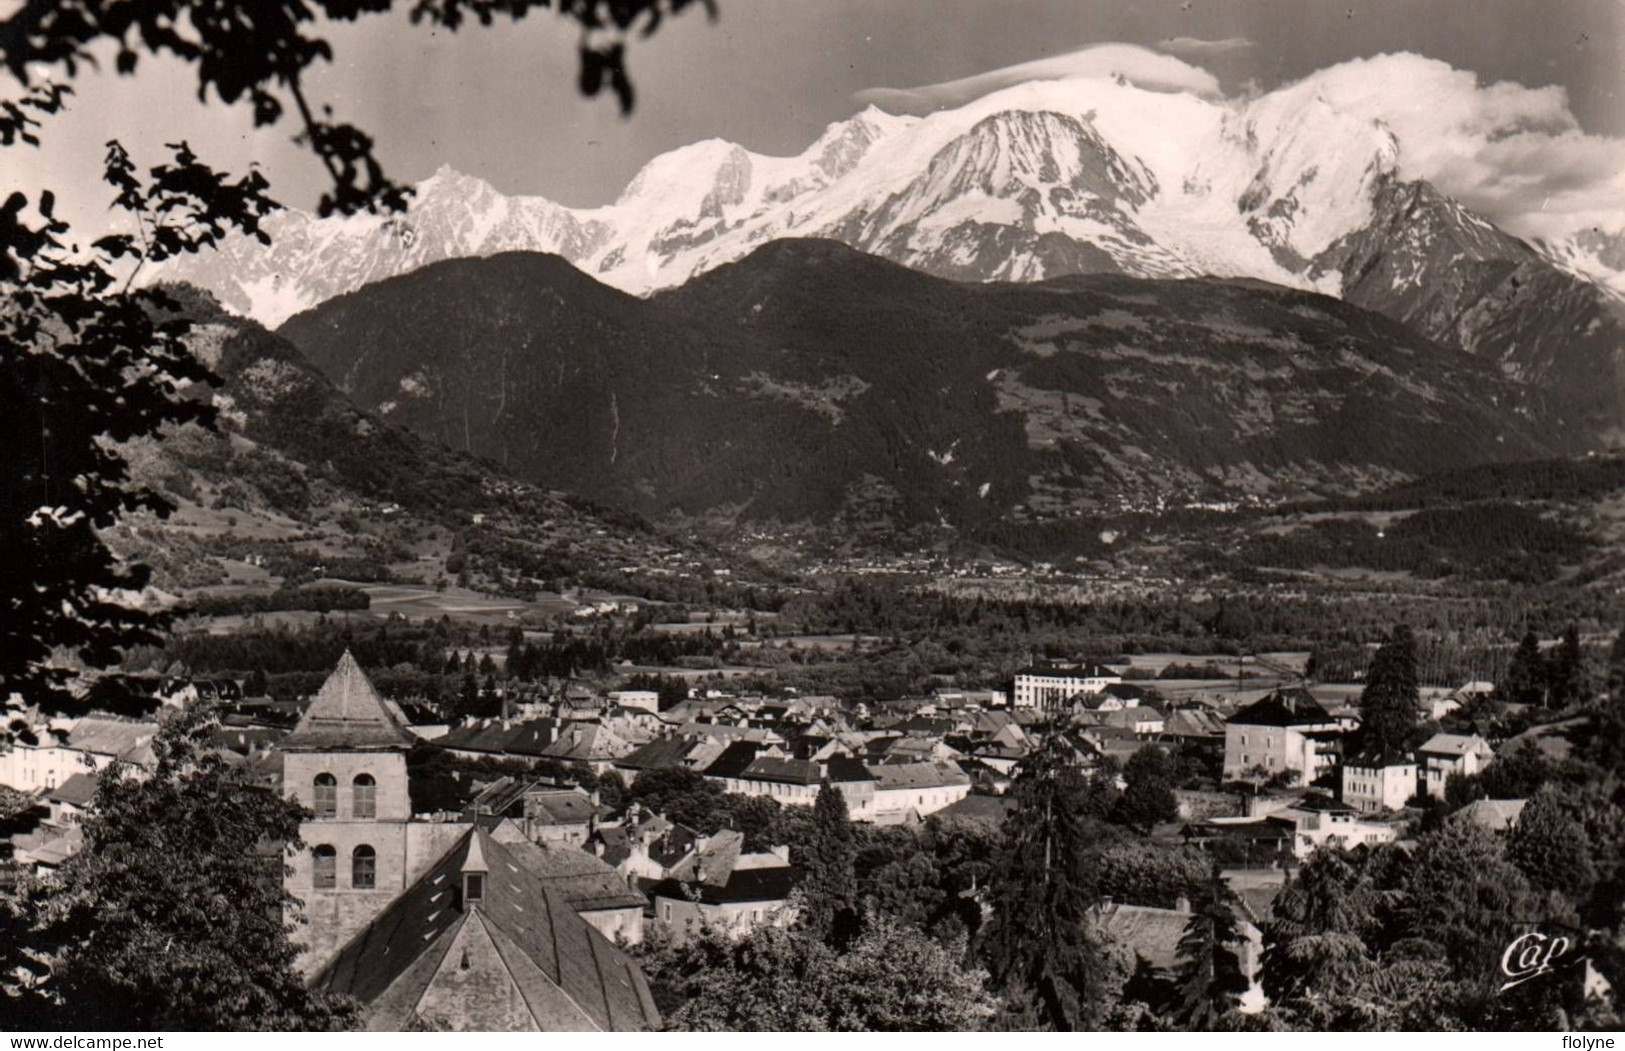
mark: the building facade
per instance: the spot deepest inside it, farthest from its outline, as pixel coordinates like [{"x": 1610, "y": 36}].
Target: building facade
[{"x": 1054, "y": 685}]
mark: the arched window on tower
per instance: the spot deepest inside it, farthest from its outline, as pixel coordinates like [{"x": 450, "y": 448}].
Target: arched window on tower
[
  {"x": 366, "y": 797},
  {"x": 364, "y": 868},
  {"x": 327, "y": 796},
  {"x": 325, "y": 867}
]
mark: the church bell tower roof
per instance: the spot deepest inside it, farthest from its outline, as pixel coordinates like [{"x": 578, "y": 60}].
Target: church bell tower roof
[{"x": 347, "y": 714}]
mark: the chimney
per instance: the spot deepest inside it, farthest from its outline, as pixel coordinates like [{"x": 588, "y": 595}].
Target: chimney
[
  {"x": 1182, "y": 905},
  {"x": 782, "y": 852},
  {"x": 598, "y": 847}
]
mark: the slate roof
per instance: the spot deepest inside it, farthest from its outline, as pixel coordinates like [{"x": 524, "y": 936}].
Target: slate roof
[
  {"x": 1193, "y": 722},
  {"x": 845, "y": 769},
  {"x": 988, "y": 810},
  {"x": 716, "y": 858},
  {"x": 734, "y": 760},
  {"x": 666, "y": 753},
  {"x": 586, "y": 742},
  {"x": 77, "y": 790},
  {"x": 743, "y": 885},
  {"x": 666, "y": 841},
  {"x": 1293, "y": 707},
  {"x": 494, "y": 736},
  {"x": 918, "y": 775},
  {"x": 585, "y": 881},
  {"x": 129, "y": 741},
  {"x": 347, "y": 714},
  {"x": 783, "y": 771},
  {"x": 1152, "y": 933},
  {"x": 1497, "y": 815},
  {"x": 569, "y": 975},
  {"x": 1381, "y": 760},
  {"x": 563, "y": 806},
  {"x": 1456, "y": 745}
]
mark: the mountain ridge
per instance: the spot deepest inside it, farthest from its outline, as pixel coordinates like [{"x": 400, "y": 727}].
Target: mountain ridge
[
  {"x": 811, "y": 381},
  {"x": 1032, "y": 182}
]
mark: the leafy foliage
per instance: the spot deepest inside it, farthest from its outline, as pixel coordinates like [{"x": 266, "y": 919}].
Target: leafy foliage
[
  {"x": 1148, "y": 792},
  {"x": 259, "y": 54},
  {"x": 174, "y": 916},
  {"x": 892, "y": 978},
  {"x": 90, "y": 364}
]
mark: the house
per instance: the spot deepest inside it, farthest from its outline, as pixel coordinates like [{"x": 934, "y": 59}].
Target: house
[
  {"x": 1445, "y": 754},
  {"x": 748, "y": 769},
  {"x": 590, "y": 743},
  {"x": 526, "y": 740},
  {"x": 644, "y": 700},
  {"x": 720, "y": 886},
  {"x": 558, "y": 816},
  {"x": 70, "y": 799},
  {"x": 670, "y": 753},
  {"x": 910, "y": 791},
  {"x": 1436, "y": 705},
  {"x": 1196, "y": 727},
  {"x": 635, "y": 726},
  {"x": 1316, "y": 822},
  {"x": 478, "y": 942},
  {"x": 1053, "y": 684},
  {"x": 1139, "y": 719},
  {"x": 1284, "y": 730},
  {"x": 645, "y": 845},
  {"x": 1118, "y": 742},
  {"x": 1154, "y": 935},
  {"x": 1375, "y": 782},
  {"x": 1117, "y": 696},
  {"x": 43, "y": 756}
]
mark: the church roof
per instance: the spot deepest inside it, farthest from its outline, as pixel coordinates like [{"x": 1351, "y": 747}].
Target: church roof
[
  {"x": 347, "y": 714},
  {"x": 568, "y": 975}
]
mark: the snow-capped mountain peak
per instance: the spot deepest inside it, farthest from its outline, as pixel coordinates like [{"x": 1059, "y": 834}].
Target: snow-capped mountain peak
[{"x": 1035, "y": 180}]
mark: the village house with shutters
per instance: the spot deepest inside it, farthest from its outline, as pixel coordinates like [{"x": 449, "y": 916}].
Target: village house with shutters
[{"x": 1288, "y": 730}]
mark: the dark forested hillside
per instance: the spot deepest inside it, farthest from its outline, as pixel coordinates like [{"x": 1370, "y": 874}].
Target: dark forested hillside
[
  {"x": 299, "y": 483},
  {"x": 810, "y": 381}
]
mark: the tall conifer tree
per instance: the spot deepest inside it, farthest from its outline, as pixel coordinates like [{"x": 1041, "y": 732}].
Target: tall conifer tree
[
  {"x": 1039, "y": 945},
  {"x": 1389, "y": 702}
]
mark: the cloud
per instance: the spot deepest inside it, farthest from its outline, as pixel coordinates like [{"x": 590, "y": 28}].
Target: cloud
[
  {"x": 1512, "y": 153},
  {"x": 1139, "y": 66},
  {"x": 1189, "y": 45}
]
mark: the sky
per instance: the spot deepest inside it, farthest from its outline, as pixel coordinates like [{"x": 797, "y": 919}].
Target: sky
[{"x": 1515, "y": 106}]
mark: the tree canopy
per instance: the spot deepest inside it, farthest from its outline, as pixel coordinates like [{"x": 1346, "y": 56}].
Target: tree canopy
[{"x": 174, "y": 915}]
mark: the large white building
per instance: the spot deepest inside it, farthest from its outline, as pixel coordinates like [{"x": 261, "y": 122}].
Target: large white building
[{"x": 1053, "y": 685}]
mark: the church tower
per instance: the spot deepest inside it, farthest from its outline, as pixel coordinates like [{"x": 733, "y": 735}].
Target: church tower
[{"x": 346, "y": 762}]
